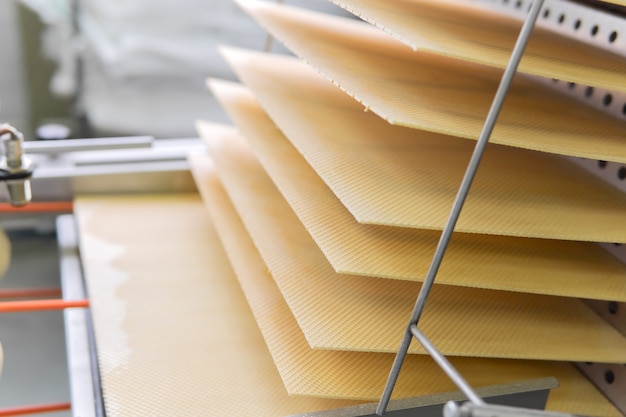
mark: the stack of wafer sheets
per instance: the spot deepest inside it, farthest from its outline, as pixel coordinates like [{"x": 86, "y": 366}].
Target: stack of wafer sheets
[
  {"x": 330, "y": 204},
  {"x": 329, "y": 207}
]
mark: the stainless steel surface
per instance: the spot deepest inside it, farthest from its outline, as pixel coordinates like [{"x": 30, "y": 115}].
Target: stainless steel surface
[
  {"x": 20, "y": 192},
  {"x": 453, "y": 409},
  {"x": 94, "y": 144},
  {"x": 84, "y": 385},
  {"x": 162, "y": 167},
  {"x": 446, "y": 366},
  {"x": 464, "y": 188},
  {"x": 15, "y": 162}
]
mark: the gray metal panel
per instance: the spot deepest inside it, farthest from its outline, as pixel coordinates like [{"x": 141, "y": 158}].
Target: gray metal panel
[{"x": 530, "y": 394}]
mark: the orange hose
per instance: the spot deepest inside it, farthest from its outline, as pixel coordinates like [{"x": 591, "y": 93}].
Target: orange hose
[
  {"x": 34, "y": 409},
  {"x": 30, "y": 293},
  {"x": 38, "y": 305},
  {"x": 39, "y": 207}
]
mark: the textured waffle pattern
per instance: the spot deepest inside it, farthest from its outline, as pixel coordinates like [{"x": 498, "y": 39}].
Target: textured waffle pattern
[
  {"x": 186, "y": 343},
  {"x": 430, "y": 92},
  {"x": 403, "y": 177},
  {"x": 527, "y": 265},
  {"x": 460, "y": 321},
  {"x": 469, "y": 32},
  {"x": 332, "y": 373}
]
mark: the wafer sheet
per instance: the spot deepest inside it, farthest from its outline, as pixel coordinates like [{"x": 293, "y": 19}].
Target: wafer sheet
[
  {"x": 319, "y": 372},
  {"x": 528, "y": 265},
  {"x": 174, "y": 334},
  {"x": 404, "y": 177},
  {"x": 461, "y": 321},
  {"x": 5, "y": 255},
  {"x": 471, "y": 32},
  {"x": 431, "y": 92}
]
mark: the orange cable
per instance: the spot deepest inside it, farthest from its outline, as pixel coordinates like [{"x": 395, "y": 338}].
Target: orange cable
[
  {"x": 34, "y": 409},
  {"x": 30, "y": 293},
  {"x": 38, "y": 305},
  {"x": 38, "y": 207}
]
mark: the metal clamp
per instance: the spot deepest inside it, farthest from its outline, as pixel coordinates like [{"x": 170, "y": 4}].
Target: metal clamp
[{"x": 15, "y": 167}]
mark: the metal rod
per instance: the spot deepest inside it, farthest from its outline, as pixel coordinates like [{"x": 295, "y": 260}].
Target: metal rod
[
  {"x": 96, "y": 144},
  {"x": 470, "y": 173},
  {"x": 447, "y": 367}
]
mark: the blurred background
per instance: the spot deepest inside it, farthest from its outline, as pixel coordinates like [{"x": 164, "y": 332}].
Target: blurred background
[
  {"x": 99, "y": 68},
  {"x": 118, "y": 67}
]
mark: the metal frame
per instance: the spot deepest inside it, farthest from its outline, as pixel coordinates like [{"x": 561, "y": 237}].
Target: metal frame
[
  {"x": 412, "y": 328},
  {"x": 85, "y": 389}
]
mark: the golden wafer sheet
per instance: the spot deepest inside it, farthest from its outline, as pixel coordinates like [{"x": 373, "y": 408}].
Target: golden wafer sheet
[
  {"x": 430, "y": 92},
  {"x": 527, "y": 265},
  {"x": 174, "y": 334},
  {"x": 359, "y": 374},
  {"x": 472, "y": 32},
  {"x": 396, "y": 176},
  {"x": 461, "y": 321}
]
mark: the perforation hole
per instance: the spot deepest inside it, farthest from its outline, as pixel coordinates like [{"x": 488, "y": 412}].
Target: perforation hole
[
  {"x": 621, "y": 173},
  {"x": 588, "y": 92},
  {"x": 577, "y": 24},
  {"x": 613, "y": 37},
  {"x": 609, "y": 377},
  {"x": 519, "y": 4},
  {"x": 613, "y": 307},
  {"x": 607, "y": 100},
  {"x": 624, "y": 110},
  {"x": 561, "y": 18},
  {"x": 602, "y": 164},
  {"x": 594, "y": 30},
  {"x": 571, "y": 85}
]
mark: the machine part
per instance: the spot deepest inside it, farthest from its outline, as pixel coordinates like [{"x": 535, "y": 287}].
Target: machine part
[
  {"x": 85, "y": 391},
  {"x": 16, "y": 168},
  {"x": 452, "y": 409},
  {"x": 56, "y": 147},
  {"x": 446, "y": 366},
  {"x": 531, "y": 394},
  {"x": 160, "y": 167}
]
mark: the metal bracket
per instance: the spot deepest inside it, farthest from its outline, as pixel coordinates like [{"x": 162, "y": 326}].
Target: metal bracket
[{"x": 15, "y": 167}]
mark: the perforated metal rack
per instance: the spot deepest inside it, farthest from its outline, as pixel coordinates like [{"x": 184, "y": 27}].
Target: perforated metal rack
[{"x": 601, "y": 27}]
